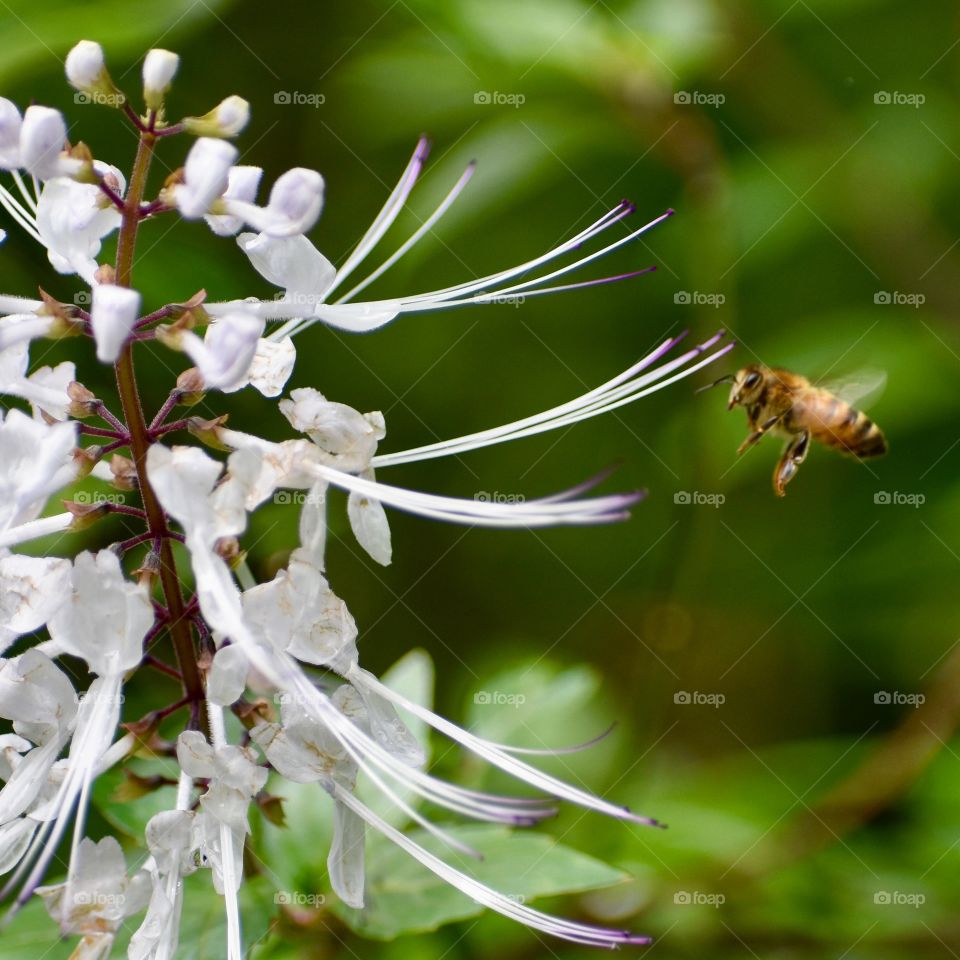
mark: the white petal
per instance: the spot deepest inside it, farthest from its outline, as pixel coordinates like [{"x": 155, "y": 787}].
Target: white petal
[
  {"x": 345, "y": 862},
  {"x": 370, "y": 526},
  {"x": 113, "y": 313},
  {"x": 225, "y": 354},
  {"x": 227, "y": 678}
]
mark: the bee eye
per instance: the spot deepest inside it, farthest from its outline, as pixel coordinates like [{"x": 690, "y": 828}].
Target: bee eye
[{"x": 751, "y": 380}]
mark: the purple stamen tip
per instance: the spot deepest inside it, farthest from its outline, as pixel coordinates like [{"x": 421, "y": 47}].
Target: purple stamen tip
[{"x": 669, "y": 212}]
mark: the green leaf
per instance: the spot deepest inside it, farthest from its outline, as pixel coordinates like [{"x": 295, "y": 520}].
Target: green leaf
[
  {"x": 131, "y": 816},
  {"x": 404, "y": 897}
]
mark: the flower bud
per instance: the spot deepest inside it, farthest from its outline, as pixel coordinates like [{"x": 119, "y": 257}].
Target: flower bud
[
  {"x": 42, "y": 139},
  {"x": 113, "y": 313},
  {"x": 87, "y": 72},
  {"x": 10, "y": 123},
  {"x": 226, "y": 119},
  {"x": 205, "y": 177},
  {"x": 159, "y": 69}
]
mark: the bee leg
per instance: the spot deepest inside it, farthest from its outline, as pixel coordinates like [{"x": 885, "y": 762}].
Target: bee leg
[
  {"x": 793, "y": 455},
  {"x": 757, "y": 435}
]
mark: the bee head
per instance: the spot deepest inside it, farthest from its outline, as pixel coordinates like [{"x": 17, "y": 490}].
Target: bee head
[{"x": 747, "y": 386}]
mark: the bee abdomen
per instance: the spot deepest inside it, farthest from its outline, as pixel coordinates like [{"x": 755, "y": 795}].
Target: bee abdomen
[{"x": 855, "y": 433}]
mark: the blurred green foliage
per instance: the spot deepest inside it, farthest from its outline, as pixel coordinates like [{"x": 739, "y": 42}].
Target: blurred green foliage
[{"x": 811, "y": 187}]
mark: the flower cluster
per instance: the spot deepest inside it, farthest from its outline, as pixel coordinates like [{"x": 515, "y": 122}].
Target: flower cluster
[{"x": 123, "y": 609}]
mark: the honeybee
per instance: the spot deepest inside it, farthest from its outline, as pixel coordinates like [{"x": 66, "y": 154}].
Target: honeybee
[{"x": 786, "y": 404}]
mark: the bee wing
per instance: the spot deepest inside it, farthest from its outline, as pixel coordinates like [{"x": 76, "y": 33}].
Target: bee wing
[{"x": 859, "y": 388}]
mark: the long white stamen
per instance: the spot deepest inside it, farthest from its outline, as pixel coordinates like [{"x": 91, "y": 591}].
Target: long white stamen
[
  {"x": 388, "y": 213},
  {"x": 34, "y": 529},
  {"x": 565, "y": 929},
  {"x": 445, "y": 205},
  {"x": 626, "y": 385}
]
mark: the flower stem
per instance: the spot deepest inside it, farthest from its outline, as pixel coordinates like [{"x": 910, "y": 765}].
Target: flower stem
[{"x": 179, "y": 624}]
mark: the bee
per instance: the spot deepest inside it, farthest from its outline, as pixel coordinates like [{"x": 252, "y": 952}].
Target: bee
[{"x": 786, "y": 404}]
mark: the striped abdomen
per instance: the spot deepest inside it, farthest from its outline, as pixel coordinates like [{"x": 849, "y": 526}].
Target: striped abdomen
[{"x": 834, "y": 422}]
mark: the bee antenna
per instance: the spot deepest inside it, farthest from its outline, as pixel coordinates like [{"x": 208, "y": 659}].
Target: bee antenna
[{"x": 726, "y": 378}]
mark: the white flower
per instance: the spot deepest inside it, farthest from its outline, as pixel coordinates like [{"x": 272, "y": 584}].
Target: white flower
[
  {"x": 299, "y": 614},
  {"x": 105, "y": 617},
  {"x": 73, "y": 219},
  {"x": 242, "y": 184},
  {"x": 271, "y": 366},
  {"x": 31, "y": 590},
  {"x": 292, "y": 263},
  {"x": 159, "y": 69},
  {"x": 45, "y": 388},
  {"x": 312, "y": 305},
  {"x": 35, "y": 461},
  {"x": 206, "y": 174},
  {"x": 296, "y": 200},
  {"x": 346, "y": 438},
  {"x": 225, "y": 355},
  {"x": 97, "y": 896},
  {"x": 113, "y": 313},
  {"x": 226, "y": 119},
  {"x": 42, "y": 139},
  {"x": 10, "y": 123}
]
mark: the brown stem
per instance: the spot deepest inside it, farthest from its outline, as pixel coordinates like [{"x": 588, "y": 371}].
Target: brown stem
[{"x": 179, "y": 624}]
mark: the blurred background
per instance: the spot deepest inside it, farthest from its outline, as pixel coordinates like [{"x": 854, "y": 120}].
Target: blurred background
[{"x": 784, "y": 675}]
